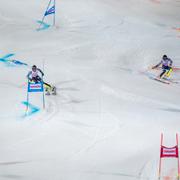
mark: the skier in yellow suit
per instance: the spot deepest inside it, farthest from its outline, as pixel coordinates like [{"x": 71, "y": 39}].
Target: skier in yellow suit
[{"x": 166, "y": 67}]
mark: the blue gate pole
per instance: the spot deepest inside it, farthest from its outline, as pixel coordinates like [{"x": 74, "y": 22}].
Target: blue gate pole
[
  {"x": 54, "y": 20},
  {"x": 45, "y": 12},
  {"x": 43, "y": 95},
  {"x": 27, "y": 106},
  {"x": 43, "y": 63}
]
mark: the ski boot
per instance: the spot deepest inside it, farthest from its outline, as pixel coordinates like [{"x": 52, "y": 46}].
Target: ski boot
[
  {"x": 53, "y": 90},
  {"x": 47, "y": 92}
]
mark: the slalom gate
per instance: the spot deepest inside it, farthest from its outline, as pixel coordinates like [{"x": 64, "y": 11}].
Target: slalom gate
[
  {"x": 169, "y": 152},
  {"x": 50, "y": 10},
  {"x": 35, "y": 88}
]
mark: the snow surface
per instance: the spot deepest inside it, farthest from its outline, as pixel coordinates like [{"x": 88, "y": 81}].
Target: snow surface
[{"x": 106, "y": 120}]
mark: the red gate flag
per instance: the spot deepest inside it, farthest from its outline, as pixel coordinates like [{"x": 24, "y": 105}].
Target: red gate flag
[{"x": 169, "y": 152}]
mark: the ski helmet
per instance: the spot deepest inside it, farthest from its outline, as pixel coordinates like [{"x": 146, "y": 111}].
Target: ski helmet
[
  {"x": 164, "y": 56},
  {"x": 34, "y": 67}
]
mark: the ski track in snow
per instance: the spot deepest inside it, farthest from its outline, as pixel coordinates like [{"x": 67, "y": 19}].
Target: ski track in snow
[
  {"x": 95, "y": 48},
  {"x": 138, "y": 98}
]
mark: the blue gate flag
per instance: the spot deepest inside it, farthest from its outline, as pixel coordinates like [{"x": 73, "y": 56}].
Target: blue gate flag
[
  {"x": 35, "y": 87},
  {"x": 50, "y": 11}
]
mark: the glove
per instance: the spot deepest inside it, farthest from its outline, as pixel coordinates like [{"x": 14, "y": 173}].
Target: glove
[{"x": 30, "y": 79}]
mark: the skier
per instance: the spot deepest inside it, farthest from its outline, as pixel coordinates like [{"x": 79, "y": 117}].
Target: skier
[
  {"x": 33, "y": 76},
  {"x": 166, "y": 66}
]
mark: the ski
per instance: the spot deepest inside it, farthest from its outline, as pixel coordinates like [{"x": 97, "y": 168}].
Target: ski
[
  {"x": 162, "y": 81},
  {"x": 54, "y": 90}
]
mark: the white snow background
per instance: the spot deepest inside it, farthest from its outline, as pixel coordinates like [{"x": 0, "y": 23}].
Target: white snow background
[{"x": 106, "y": 119}]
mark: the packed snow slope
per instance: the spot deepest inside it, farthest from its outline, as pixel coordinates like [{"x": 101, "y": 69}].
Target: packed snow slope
[{"x": 106, "y": 119}]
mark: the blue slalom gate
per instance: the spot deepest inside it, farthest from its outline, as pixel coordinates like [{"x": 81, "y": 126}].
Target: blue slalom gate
[
  {"x": 11, "y": 63},
  {"x": 35, "y": 88},
  {"x": 50, "y": 10}
]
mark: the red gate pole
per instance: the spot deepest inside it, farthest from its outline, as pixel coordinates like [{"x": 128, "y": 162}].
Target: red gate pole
[
  {"x": 177, "y": 142},
  {"x": 160, "y": 160}
]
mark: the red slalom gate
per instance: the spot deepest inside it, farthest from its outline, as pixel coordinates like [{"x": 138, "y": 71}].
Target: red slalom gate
[{"x": 169, "y": 152}]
